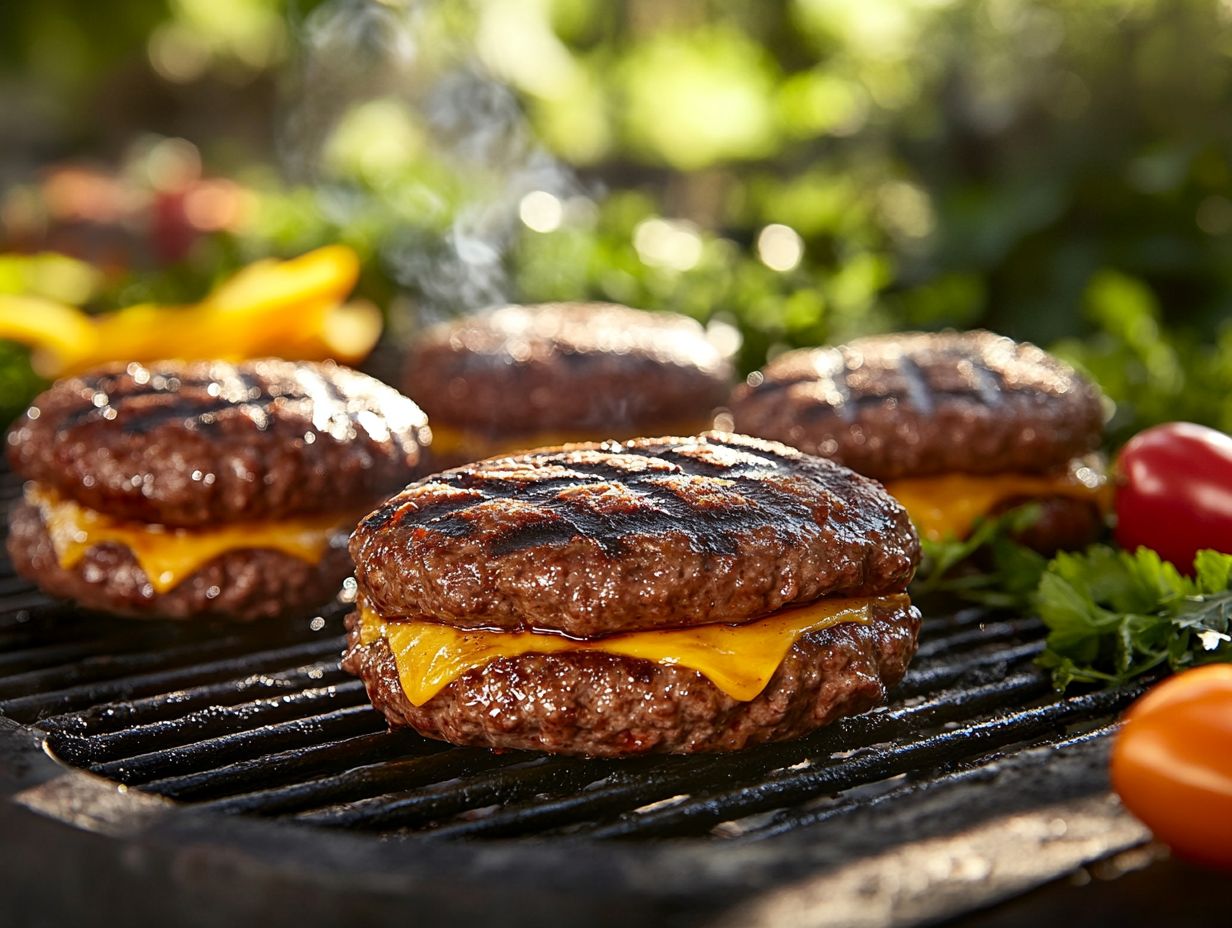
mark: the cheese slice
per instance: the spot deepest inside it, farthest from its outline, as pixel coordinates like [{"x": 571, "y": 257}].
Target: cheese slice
[
  {"x": 476, "y": 445},
  {"x": 738, "y": 659},
  {"x": 169, "y": 555},
  {"x": 949, "y": 505}
]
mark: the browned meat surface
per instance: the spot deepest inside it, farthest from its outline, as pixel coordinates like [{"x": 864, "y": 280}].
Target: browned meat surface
[
  {"x": 651, "y": 533},
  {"x": 919, "y": 404}
]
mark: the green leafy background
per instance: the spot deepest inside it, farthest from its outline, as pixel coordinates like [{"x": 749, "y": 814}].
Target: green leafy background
[{"x": 1055, "y": 170}]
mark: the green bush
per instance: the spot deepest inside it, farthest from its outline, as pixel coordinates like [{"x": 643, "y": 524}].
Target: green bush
[{"x": 1055, "y": 170}]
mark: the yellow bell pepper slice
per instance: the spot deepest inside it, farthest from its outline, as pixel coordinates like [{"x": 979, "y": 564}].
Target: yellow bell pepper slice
[
  {"x": 61, "y": 335},
  {"x": 291, "y": 309},
  {"x": 325, "y": 275}
]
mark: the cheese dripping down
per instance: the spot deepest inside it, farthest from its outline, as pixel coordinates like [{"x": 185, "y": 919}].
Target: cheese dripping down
[
  {"x": 738, "y": 659},
  {"x": 949, "y": 505},
  {"x": 169, "y": 555}
]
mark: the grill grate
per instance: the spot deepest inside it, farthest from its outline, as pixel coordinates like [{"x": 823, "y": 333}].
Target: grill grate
[{"x": 260, "y": 721}]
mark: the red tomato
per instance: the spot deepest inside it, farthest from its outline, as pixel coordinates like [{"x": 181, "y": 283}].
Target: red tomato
[
  {"x": 1172, "y": 763},
  {"x": 1174, "y": 492}
]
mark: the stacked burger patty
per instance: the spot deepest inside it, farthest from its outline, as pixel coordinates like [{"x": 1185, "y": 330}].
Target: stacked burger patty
[
  {"x": 186, "y": 490},
  {"x": 609, "y": 597},
  {"x": 554, "y": 570},
  {"x": 957, "y": 425},
  {"x": 521, "y": 377}
]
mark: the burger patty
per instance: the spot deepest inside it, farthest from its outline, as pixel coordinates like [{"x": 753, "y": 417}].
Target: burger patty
[
  {"x": 652, "y": 533},
  {"x": 1064, "y": 523},
  {"x": 192, "y": 444},
  {"x": 925, "y": 403},
  {"x": 240, "y": 584},
  {"x": 604, "y": 705},
  {"x": 597, "y": 367}
]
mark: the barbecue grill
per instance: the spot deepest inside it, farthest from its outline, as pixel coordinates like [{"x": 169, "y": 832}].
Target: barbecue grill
[{"x": 197, "y": 774}]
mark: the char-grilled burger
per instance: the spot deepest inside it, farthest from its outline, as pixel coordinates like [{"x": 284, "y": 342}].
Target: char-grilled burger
[
  {"x": 522, "y": 377},
  {"x": 660, "y": 595},
  {"x": 957, "y": 425},
  {"x": 205, "y": 489}
]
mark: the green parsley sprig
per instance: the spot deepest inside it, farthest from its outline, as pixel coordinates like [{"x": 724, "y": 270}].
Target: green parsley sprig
[
  {"x": 1113, "y": 616},
  {"x": 987, "y": 567}
]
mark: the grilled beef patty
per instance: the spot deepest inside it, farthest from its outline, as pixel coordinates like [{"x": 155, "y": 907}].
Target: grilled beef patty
[
  {"x": 652, "y": 533},
  {"x": 1063, "y": 523},
  {"x": 266, "y": 446},
  {"x": 576, "y": 367},
  {"x": 193, "y": 444},
  {"x": 923, "y": 404},
  {"x": 240, "y": 584},
  {"x": 605, "y": 705}
]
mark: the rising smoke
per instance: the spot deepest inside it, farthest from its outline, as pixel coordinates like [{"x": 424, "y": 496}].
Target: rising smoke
[{"x": 451, "y": 256}]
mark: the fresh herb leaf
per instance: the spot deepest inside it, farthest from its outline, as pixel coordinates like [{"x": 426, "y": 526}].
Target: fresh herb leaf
[
  {"x": 1113, "y": 616},
  {"x": 1004, "y": 576}
]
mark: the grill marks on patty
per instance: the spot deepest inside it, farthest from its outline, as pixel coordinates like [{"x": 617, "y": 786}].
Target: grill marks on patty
[
  {"x": 925, "y": 403},
  {"x": 151, "y": 399},
  {"x": 844, "y": 388},
  {"x": 594, "y": 368},
  {"x": 588, "y": 495},
  {"x": 201, "y": 399},
  {"x": 652, "y": 533},
  {"x": 193, "y": 443}
]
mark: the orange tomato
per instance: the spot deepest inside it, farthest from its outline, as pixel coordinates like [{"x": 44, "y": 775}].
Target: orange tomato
[{"x": 1172, "y": 763}]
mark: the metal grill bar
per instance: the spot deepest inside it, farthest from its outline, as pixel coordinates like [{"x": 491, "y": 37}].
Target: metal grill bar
[
  {"x": 11, "y": 586},
  {"x": 790, "y": 819},
  {"x": 253, "y": 742},
  {"x": 446, "y": 767},
  {"x": 991, "y": 665},
  {"x": 404, "y": 810},
  {"x": 101, "y": 720},
  {"x": 632, "y": 786},
  {"x": 984, "y": 635},
  {"x": 190, "y": 745},
  {"x": 269, "y": 772},
  {"x": 261, "y": 721},
  {"x": 29, "y": 709},
  {"x": 206, "y": 723},
  {"x": 40, "y": 658},
  {"x": 21, "y": 602},
  {"x": 699, "y": 814},
  {"x": 97, "y": 668}
]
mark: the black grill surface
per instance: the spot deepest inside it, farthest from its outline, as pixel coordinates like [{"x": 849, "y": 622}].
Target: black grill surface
[{"x": 266, "y": 750}]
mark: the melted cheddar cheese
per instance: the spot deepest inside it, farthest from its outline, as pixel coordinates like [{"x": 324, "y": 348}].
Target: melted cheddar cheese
[
  {"x": 475, "y": 445},
  {"x": 169, "y": 555},
  {"x": 949, "y": 505},
  {"x": 738, "y": 659}
]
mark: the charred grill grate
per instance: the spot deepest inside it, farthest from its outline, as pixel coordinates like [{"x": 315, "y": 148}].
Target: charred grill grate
[{"x": 261, "y": 721}]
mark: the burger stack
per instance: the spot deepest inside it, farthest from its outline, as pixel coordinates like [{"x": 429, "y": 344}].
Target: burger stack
[{"x": 604, "y": 594}]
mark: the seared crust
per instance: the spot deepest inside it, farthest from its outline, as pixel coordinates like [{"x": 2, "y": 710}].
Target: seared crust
[
  {"x": 240, "y": 585},
  {"x": 190, "y": 444},
  {"x": 595, "y": 367},
  {"x": 599, "y": 704},
  {"x": 925, "y": 403},
  {"x": 652, "y": 533}
]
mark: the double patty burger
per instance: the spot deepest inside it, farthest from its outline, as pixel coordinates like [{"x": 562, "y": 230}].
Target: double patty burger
[
  {"x": 523, "y": 377},
  {"x": 204, "y": 489},
  {"x": 957, "y": 425},
  {"x": 661, "y": 595}
]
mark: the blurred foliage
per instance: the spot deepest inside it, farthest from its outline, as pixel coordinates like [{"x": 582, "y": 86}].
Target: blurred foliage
[
  {"x": 1154, "y": 374},
  {"x": 808, "y": 170},
  {"x": 18, "y": 382}
]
